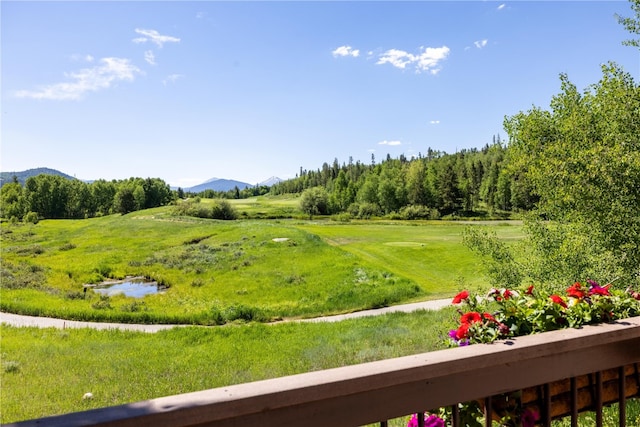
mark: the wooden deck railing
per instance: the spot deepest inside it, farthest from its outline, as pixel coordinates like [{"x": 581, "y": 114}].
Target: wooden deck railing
[{"x": 387, "y": 389}]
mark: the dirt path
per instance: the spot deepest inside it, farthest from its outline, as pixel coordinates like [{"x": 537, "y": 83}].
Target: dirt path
[{"x": 47, "y": 322}]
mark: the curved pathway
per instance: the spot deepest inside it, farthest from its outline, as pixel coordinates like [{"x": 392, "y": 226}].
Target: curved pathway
[{"x": 48, "y": 322}]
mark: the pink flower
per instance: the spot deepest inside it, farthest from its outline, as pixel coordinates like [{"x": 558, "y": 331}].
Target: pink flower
[
  {"x": 430, "y": 421},
  {"x": 434, "y": 421},
  {"x": 529, "y": 418}
]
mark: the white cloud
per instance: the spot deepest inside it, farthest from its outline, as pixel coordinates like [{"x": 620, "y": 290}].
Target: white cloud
[
  {"x": 150, "y": 57},
  {"x": 154, "y": 37},
  {"x": 389, "y": 143},
  {"x": 480, "y": 43},
  {"x": 428, "y": 59},
  {"x": 346, "y": 51},
  {"x": 502, "y": 6},
  {"x": 107, "y": 73},
  {"x": 172, "y": 78},
  {"x": 434, "y": 122},
  {"x": 397, "y": 58}
]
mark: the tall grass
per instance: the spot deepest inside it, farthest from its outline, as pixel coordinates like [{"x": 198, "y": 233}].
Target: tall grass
[
  {"x": 47, "y": 371},
  {"x": 221, "y": 271}
]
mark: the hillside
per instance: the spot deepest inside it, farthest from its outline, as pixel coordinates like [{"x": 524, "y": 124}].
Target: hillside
[
  {"x": 218, "y": 184},
  {"x": 22, "y": 176}
]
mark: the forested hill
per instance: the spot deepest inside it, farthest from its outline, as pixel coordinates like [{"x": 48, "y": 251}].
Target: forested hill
[
  {"x": 22, "y": 176},
  {"x": 429, "y": 185}
]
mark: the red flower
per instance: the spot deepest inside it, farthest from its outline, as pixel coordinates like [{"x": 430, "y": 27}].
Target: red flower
[
  {"x": 599, "y": 290},
  {"x": 495, "y": 293},
  {"x": 462, "y": 332},
  {"x": 576, "y": 291},
  {"x": 529, "y": 290},
  {"x": 503, "y": 329},
  {"x": 471, "y": 317},
  {"x": 489, "y": 317},
  {"x": 460, "y": 297},
  {"x": 558, "y": 300},
  {"x": 507, "y": 293}
]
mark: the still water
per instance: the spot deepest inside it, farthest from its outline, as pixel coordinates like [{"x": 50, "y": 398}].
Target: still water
[{"x": 130, "y": 288}]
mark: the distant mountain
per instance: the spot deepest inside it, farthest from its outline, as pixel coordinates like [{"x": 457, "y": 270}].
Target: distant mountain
[
  {"x": 269, "y": 182},
  {"x": 215, "y": 184},
  {"x": 22, "y": 176},
  {"x": 218, "y": 184}
]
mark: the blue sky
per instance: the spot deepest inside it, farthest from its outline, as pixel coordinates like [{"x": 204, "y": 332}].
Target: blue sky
[{"x": 187, "y": 91}]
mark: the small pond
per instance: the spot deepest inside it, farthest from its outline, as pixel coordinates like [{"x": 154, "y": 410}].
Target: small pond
[{"x": 133, "y": 287}]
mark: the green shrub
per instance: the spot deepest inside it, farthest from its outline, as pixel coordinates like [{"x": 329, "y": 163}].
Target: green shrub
[
  {"x": 222, "y": 209},
  {"x": 31, "y": 218},
  {"x": 22, "y": 275},
  {"x": 11, "y": 367},
  {"x": 245, "y": 313},
  {"x": 104, "y": 303},
  {"x": 418, "y": 212},
  {"x": 368, "y": 210},
  {"x": 197, "y": 283}
]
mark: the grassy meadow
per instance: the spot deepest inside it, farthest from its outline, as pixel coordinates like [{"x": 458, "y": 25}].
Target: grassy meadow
[
  {"x": 47, "y": 371},
  {"x": 217, "y": 272},
  {"x": 222, "y": 271}
]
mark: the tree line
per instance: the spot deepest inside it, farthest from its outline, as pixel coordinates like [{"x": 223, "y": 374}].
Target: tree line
[
  {"x": 234, "y": 193},
  {"x": 56, "y": 197},
  {"x": 428, "y": 185}
]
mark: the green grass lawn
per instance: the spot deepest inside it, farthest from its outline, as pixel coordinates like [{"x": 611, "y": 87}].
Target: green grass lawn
[
  {"x": 220, "y": 271},
  {"x": 217, "y": 272},
  {"x": 428, "y": 253},
  {"x": 283, "y": 206},
  {"x": 47, "y": 371}
]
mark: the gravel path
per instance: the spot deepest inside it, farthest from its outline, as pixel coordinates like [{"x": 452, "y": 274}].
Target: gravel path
[{"x": 47, "y": 322}]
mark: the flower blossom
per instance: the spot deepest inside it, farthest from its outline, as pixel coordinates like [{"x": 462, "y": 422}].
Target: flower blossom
[
  {"x": 430, "y": 421},
  {"x": 529, "y": 418},
  {"x": 489, "y": 317},
  {"x": 599, "y": 290},
  {"x": 558, "y": 300},
  {"x": 576, "y": 291},
  {"x": 433, "y": 421},
  {"x": 460, "y": 297},
  {"x": 529, "y": 290},
  {"x": 462, "y": 332},
  {"x": 470, "y": 317}
]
